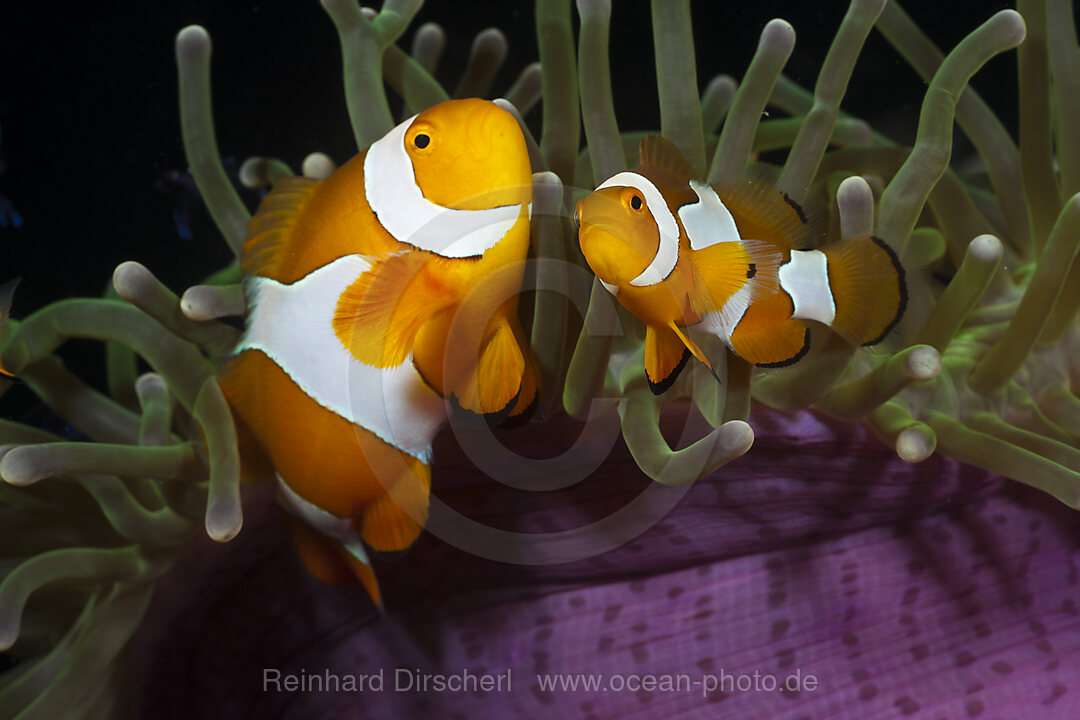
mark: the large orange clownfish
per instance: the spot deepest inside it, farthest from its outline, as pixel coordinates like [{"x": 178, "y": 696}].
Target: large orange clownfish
[
  {"x": 375, "y": 296},
  {"x": 727, "y": 259}
]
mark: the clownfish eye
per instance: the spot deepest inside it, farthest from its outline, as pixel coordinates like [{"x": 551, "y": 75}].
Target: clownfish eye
[
  {"x": 635, "y": 202},
  {"x": 421, "y": 141}
]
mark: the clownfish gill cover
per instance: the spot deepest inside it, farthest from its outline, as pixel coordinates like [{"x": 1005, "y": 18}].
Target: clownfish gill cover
[{"x": 525, "y": 359}]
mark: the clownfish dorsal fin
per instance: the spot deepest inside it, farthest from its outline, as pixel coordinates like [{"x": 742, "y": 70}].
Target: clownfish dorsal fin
[
  {"x": 378, "y": 316},
  {"x": 270, "y": 226},
  {"x": 663, "y": 155},
  {"x": 762, "y": 211}
]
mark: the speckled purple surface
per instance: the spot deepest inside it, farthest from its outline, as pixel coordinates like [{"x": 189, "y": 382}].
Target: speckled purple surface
[{"x": 927, "y": 591}]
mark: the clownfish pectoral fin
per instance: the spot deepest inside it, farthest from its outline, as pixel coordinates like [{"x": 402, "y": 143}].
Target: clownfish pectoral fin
[
  {"x": 378, "y": 316},
  {"x": 693, "y": 348},
  {"x": 492, "y": 386},
  {"x": 394, "y": 521},
  {"x": 7, "y": 296},
  {"x": 665, "y": 357},
  {"x": 869, "y": 288}
]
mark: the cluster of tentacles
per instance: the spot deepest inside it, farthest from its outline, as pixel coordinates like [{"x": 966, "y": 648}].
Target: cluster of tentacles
[{"x": 983, "y": 375}]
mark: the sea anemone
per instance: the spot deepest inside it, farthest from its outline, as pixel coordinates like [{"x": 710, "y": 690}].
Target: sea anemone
[{"x": 902, "y": 577}]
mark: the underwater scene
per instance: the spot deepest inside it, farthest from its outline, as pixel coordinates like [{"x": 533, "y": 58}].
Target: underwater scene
[{"x": 564, "y": 358}]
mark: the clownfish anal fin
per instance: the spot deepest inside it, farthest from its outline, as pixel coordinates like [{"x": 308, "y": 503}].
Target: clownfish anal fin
[
  {"x": 665, "y": 357},
  {"x": 662, "y": 154},
  {"x": 493, "y": 385},
  {"x": 378, "y": 316},
  {"x": 272, "y": 224}
]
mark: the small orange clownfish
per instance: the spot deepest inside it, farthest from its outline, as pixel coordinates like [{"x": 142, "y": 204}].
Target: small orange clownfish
[
  {"x": 375, "y": 296},
  {"x": 724, "y": 259}
]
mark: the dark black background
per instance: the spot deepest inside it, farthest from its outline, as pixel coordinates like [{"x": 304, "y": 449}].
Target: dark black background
[{"x": 89, "y": 120}]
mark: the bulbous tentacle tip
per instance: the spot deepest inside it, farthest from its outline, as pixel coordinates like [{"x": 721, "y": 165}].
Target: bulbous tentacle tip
[
  {"x": 916, "y": 443},
  {"x": 986, "y": 249},
  {"x": 20, "y": 465},
  {"x": 492, "y": 43},
  {"x": 778, "y": 33},
  {"x": 253, "y": 173},
  {"x": 130, "y": 279},
  {"x": 318, "y": 165},
  {"x": 923, "y": 363},
  {"x": 224, "y": 521},
  {"x": 1012, "y": 23},
  {"x": 151, "y": 385},
  {"x": 192, "y": 41}
]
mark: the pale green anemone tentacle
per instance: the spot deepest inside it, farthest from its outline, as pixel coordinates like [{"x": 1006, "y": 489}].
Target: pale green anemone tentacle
[
  {"x": 832, "y": 82},
  {"x": 1041, "y": 191},
  {"x": 779, "y": 134},
  {"x": 93, "y": 414},
  {"x": 188, "y": 374},
  {"x": 527, "y": 90},
  {"x": 855, "y": 204},
  {"x": 737, "y": 391},
  {"x": 991, "y": 140},
  {"x": 1010, "y": 352},
  {"x": 363, "y": 42},
  {"x": 1064, "y": 63},
  {"x": 597, "y": 105},
  {"x": 163, "y": 527},
  {"x": 925, "y": 247},
  {"x": 737, "y": 136},
  {"x": 203, "y": 303},
  {"x": 154, "y": 430},
  {"x": 913, "y": 441},
  {"x": 259, "y": 172},
  {"x": 487, "y": 55},
  {"x": 676, "y": 79},
  {"x": 121, "y": 366},
  {"x": 906, "y": 194},
  {"x": 200, "y": 146},
  {"x": 716, "y": 101},
  {"x": 1047, "y": 447},
  {"x": 855, "y": 399},
  {"x": 552, "y": 290},
  {"x": 1002, "y": 457},
  {"x": 71, "y": 564},
  {"x": 640, "y": 414},
  {"x": 81, "y": 682},
  {"x": 963, "y": 293},
  {"x": 561, "y": 114},
  {"x": 412, "y": 76},
  {"x": 32, "y": 463},
  {"x": 137, "y": 285},
  {"x": 588, "y": 368}
]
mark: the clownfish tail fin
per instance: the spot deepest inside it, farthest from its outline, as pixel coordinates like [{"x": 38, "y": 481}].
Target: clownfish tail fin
[{"x": 868, "y": 287}]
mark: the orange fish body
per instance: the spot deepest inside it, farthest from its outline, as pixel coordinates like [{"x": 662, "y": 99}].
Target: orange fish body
[
  {"x": 374, "y": 296},
  {"x": 725, "y": 259}
]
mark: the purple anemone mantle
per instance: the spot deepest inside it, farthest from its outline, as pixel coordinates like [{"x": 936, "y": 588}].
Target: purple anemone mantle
[{"x": 924, "y": 591}]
